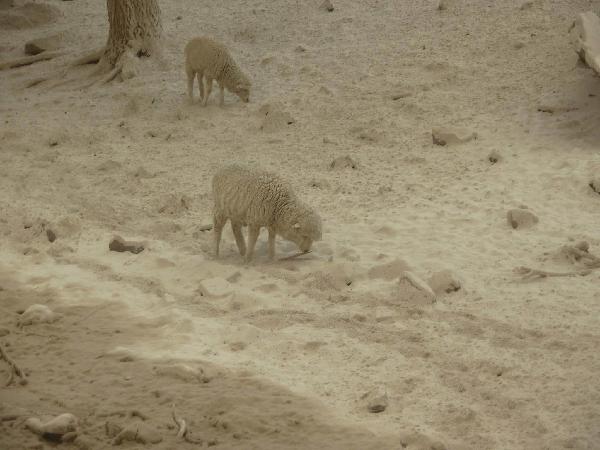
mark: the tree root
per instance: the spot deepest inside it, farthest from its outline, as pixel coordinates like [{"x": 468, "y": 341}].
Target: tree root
[
  {"x": 578, "y": 253},
  {"x": 183, "y": 432},
  {"x": 14, "y": 369},
  {"x": 27, "y": 60},
  {"x": 92, "y": 57}
]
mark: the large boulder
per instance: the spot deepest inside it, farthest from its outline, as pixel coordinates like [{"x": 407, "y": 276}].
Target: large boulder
[{"x": 585, "y": 35}]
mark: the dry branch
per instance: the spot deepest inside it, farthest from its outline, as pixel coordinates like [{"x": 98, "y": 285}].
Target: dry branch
[
  {"x": 295, "y": 255},
  {"x": 183, "y": 431},
  {"x": 14, "y": 369}
]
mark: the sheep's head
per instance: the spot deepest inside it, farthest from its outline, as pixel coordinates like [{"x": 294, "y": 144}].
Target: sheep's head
[
  {"x": 304, "y": 230},
  {"x": 243, "y": 91}
]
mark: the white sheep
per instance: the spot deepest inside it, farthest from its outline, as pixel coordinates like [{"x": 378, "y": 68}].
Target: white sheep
[
  {"x": 207, "y": 58},
  {"x": 258, "y": 199}
]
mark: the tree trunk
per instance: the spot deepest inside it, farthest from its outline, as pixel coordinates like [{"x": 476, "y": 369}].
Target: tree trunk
[{"x": 133, "y": 25}]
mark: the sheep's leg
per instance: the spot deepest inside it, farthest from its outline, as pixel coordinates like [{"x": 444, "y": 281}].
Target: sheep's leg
[
  {"x": 222, "y": 94},
  {"x": 253, "y": 232},
  {"x": 239, "y": 237},
  {"x": 209, "y": 83},
  {"x": 271, "y": 243},
  {"x": 219, "y": 223},
  {"x": 201, "y": 86},
  {"x": 190, "y": 85}
]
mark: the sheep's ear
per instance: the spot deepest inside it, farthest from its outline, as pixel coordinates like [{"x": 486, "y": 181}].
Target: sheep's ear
[{"x": 296, "y": 226}]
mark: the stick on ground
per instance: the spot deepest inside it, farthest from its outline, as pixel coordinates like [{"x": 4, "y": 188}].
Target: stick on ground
[
  {"x": 14, "y": 369},
  {"x": 183, "y": 432},
  {"x": 295, "y": 255}
]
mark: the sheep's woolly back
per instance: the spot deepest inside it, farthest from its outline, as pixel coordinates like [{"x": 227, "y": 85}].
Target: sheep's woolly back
[
  {"x": 261, "y": 198},
  {"x": 204, "y": 55}
]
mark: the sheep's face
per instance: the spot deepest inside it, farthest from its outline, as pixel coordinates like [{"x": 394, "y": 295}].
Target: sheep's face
[
  {"x": 243, "y": 92},
  {"x": 305, "y": 231}
]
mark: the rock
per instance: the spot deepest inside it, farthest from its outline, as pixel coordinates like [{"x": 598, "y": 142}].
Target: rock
[
  {"x": 40, "y": 45},
  {"x": 446, "y": 136},
  {"x": 585, "y": 37},
  {"x": 444, "y": 281},
  {"x": 300, "y": 48},
  {"x": 215, "y": 288},
  {"x": 37, "y": 314},
  {"x": 595, "y": 185},
  {"x": 494, "y": 157},
  {"x": 520, "y": 218},
  {"x": 388, "y": 271},
  {"x": 138, "y": 432},
  {"x": 118, "y": 244},
  {"x": 55, "y": 428},
  {"x": 343, "y": 162},
  {"x": 414, "y": 291},
  {"x": 327, "y": 6},
  {"x": 182, "y": 372},
  {"x": 377, "y": 400},
  {"x": 51, "y": 235},
  {"x": 442, "y": 5}
]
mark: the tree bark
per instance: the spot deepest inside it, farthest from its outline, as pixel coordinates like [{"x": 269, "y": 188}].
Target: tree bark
[{"x": 133, "y": 25}]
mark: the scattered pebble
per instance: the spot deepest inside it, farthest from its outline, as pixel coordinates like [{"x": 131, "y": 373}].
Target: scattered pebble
[
  {"x": 55, "y": 428},
  {"x": 519, "y": 218},
  {"x": 118, "y": 244},
  {"x": 447, "y": 136},
  {"x": 215, "y": 288},
  {"x": 327, "y": 5},
  {"x": 343, "y": 162},
  {"x": 377, "y": 400},
  {"x": 444, "y": 281},
  {"x": 413, "y": 290},
  {"x": 37, "y": 314},
  {"x": 494, "y": 157},
  {"x": 138, "y": 432},
  {"x": 40, "y": 45},
  {"x": 51, "y": 235},
  {"x": 182, "y": 372}
]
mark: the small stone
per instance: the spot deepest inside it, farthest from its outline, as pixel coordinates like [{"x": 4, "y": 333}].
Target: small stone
[
  {"x": 182, "y": 372},
  {"x": 343, "y": 162},
  {"x": 118, "y": 244},
  {"x": 446, "y": 136},
  {"x": 51, "y": 235},
  {"x": 138, "y": 432},
  {"x": 377, "y": 400},
  {"x": 62, "y": 424},
  {"x": 40, "y": 45},
  {"x": 413, "y": 290},
  {"x": 215, "y": 287},
  {"x": 300, "y": 48},
  {"x": 327, "y": 6},
  {"x": 519, "y": 218},
  {"x": 401, "y": 94},
  {"x": 595, "y": 185},
  {"x": 444, "y": 281},
  {"x": 37, "y": 314},
  {"x": 442, "y": 5},
  {"x": 494, "y": 157}
]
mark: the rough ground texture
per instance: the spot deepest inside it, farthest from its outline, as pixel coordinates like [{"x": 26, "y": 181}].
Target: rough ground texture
[{"x": 290, "y": 351}]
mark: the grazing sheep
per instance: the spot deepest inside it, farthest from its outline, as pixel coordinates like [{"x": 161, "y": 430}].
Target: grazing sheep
[
  {"x": 207, "y": 58},
  {"x": 261, "y": 199}
]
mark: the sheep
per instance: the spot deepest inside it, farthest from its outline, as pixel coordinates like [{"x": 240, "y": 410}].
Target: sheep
[
  {"x": 207, "y": 58},
  {"x": 258, "y": 199}
]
